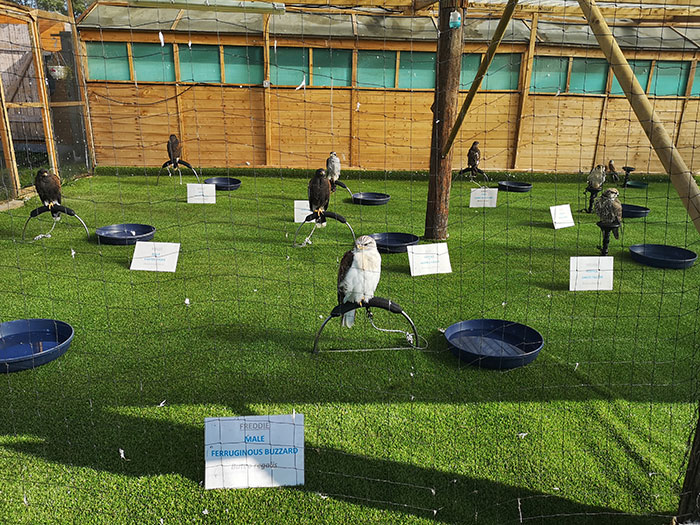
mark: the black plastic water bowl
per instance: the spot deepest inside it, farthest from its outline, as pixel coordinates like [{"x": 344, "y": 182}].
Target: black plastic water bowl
[
  {"x": 369, "y": 198},
  {"x": 494, "y": 343},
  {"x": 637, "y": 184},
  {"x": 663, "y": 256},
  {"x": 125, "y": 233},
  {"x": 224, "y": 183},
  {"x": 394, "y": 242},
  {"x": 28, "y": 343},
  {"x": 514, "y": 186},
  {"x": 632, "y": 211}
]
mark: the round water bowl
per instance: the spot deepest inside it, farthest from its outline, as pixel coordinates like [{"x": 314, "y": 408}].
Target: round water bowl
[
  {"x": 125, "y": 233},
  {"x": 514, "y": 186},
  {"x": 369, "y": 198},
  {"x": 394, "y": 242},
  {"x": 637, "y": 184},
  {"x": 494, "y": 343},
  {"x": 663, "y": 256},
  {"x": 224, "y": 183},
  {"x": 632, "y": 211},
  {"x": 28, "y": 343}
]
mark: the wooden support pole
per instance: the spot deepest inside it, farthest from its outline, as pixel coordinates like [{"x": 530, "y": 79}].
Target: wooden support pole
[
  {"x": 448, "y": 70},
  {"x": 525, "y": 78},
  {"x": 267, "y": 102},
  {"x": 483, "y": 67},
  {"x": 46, "y": 120},
  {"x": 660, "y": 140},
  {"x": 8, "y": 150},
  {"x": 354, "y": 114}
]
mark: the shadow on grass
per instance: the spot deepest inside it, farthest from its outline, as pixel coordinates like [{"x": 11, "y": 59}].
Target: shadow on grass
[{"x": 444, "y": 496}]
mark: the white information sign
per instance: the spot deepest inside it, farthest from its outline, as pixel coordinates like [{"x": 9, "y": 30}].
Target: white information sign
[
  {"x": 253, "y": 451},
  {"x": 201, "y": 193},
  {"x": 561, "y": 216},
  {"x": 155, "y": 256},
  {"x": 483, "y": 198},
  {"x": 301, "y": 210},
  {"x": 425, "y": 259},
  {"x": 590, "y": 273}
]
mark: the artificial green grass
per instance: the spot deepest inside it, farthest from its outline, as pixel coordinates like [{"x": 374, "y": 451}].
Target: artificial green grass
[{"x": 594, "y": 431}]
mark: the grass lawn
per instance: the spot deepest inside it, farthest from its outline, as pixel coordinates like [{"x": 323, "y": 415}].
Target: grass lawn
[{"x": 594, "y": 431}]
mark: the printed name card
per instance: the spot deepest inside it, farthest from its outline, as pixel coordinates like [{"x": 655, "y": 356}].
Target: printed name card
[
  {"x": 301, "y": 210},
  {"x": 155, "y": 256},
  {"x": 561, "y": 216},
  {"x": 590, "y": 273},
  {"x": 201, "y": 193},
  {"x": 253, "y": 451},
  {"x": 483, "y": 198},
  {"x": 427, "y": 259}
]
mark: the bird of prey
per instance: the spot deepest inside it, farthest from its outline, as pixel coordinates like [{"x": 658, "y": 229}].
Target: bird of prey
[
  {"x": 473, "y": 159},
  {"x": 596, "y": 177},
  {"x": 609, "y": 209},
  {"x": 319, "y": 195},
  {"x": 358, "y": 275},
  {"x": 612, "y": 172},
  {"x": 48, "y": 187},
  {"x": 174, "y": 150},
  {"x": 333, "y": 169}
]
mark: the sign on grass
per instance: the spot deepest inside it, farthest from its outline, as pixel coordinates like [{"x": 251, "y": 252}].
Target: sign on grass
[
  {"x": 155, "y": 256},
  {"x": 483, "y": 198},
  {"x": 561, "y": 216},
  {"x": 590, "y": 273},
  {"x": 425, "y": 259},
  {"x": 253, "y": 451},
  {"x": 301, "y": 210},
  {"x": 201, "y": 194}
]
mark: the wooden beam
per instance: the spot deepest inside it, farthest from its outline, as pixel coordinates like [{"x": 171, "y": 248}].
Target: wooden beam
[
  {"x": 267, "y": 98},
  {"x": 602, "y": 121},
  {"x": 525, "y": 77},
  {"x": 675, "y": 166},
  {"x": 43, "y": 98},
  {"x": 7, "y": 147},
  {"x": 448, "y": 71},
  {"x": 481, "y": 72},
  {"x": 354, "y": 115},
  {"x": 688, "y": 91}
]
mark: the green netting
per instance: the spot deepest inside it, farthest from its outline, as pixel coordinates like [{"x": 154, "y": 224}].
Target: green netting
[
  {"x": 670, "y": 78},
  {"x": 288, "y": 65},
  {"x": 153, "y": 62},
  {"x": 376, "y": 69},
  {"x": 332, "y": 67},
  {"x": 549, "y": 74},
  {"x": 417, "y": 70},
  {"x": 243, "y": 65},
  {"x": 641, "y": 68},
  {"x": 199, "y": 63},
  {"x": 503, "y": 72},
  {"x": 107, "y": 61},
  {"x": 588, "y": 75}
]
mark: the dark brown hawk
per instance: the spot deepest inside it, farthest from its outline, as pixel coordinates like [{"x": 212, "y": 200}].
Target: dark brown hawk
[
  {"x": 174, "y": 150},
  {"x": 48, "y": 187},
  {"x": 609, "y": 209},
  {"x": 319, "y": 195}
]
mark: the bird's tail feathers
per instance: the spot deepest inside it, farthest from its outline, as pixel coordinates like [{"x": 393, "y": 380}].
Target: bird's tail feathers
[
  {"x": 616, "y": 233},
  {"x": 348, "y": 319}
]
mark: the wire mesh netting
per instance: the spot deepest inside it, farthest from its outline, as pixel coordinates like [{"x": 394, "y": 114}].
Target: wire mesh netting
[{"x": 542, "y": 364}]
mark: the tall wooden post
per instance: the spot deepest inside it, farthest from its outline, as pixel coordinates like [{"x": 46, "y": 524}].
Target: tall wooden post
[
  {"x": 448, "y": 70},
  {"x": 669, "y": 156}
]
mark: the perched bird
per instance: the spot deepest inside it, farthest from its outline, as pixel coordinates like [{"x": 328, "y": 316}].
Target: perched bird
[
  {"x": 174, "y": 150},
  {"x": 473, "y": 159},
  {"x": 333, "y": 169},
  {"x": 609, "y": 209},
  {"x": 612, "y": 172},
  {"x": 596, "y": 177},
  {"x": 319, "y": 195},
  {"x": 358, "y": 275},
  {"x": 48, "y": 187}
]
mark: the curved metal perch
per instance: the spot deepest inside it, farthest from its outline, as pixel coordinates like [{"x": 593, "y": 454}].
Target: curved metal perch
[
  {"x": 375, "y": 302},
  {"x": 61, "y": 209},
  {"x": 312, "y": 217},
  {"x": 169, "y": 163},
  {"x": 342, "y": 185}
]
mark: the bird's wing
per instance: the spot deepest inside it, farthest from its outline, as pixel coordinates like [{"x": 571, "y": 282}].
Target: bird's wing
[
  {"x": 171, "y": 152},
  {"x": 618, "y": 210},
  {"x": 325, "y": 193},
  {"x": 55, "y": 188},
  {"x": 345, "y": 264}
]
